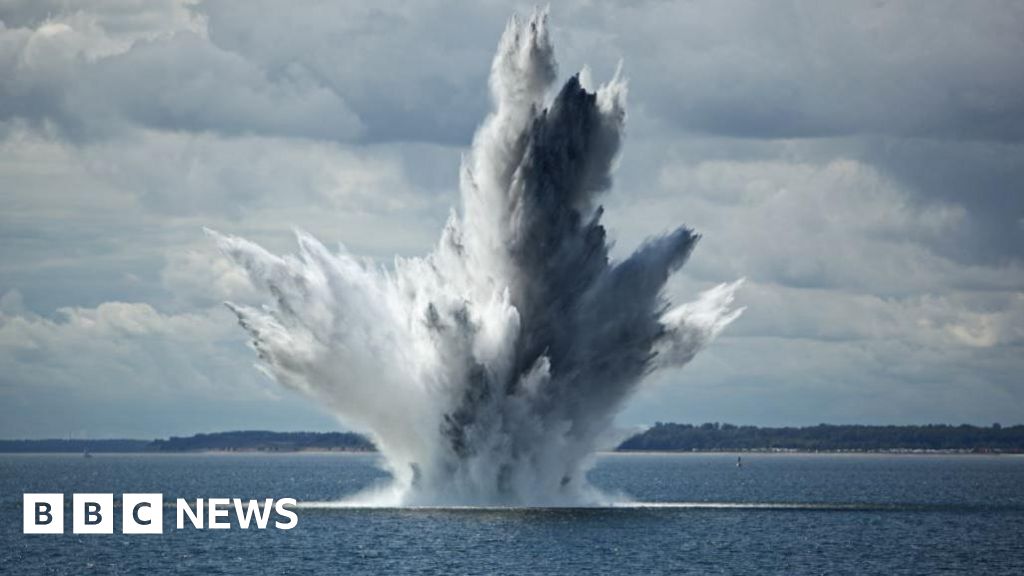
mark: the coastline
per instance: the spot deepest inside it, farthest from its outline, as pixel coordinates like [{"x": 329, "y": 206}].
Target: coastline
[{"x": 776, "y": 452}]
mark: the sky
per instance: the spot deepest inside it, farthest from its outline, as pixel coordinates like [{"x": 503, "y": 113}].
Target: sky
[{"x": 861, "y": 164}]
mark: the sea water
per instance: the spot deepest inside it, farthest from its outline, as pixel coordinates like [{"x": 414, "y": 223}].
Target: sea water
[{"x": 678, "y": 514}]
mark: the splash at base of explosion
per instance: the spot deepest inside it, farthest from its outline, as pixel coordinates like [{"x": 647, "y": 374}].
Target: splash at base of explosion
[
  {"x": 612, "y": 505},
  {"x": 490, "y": 371}
]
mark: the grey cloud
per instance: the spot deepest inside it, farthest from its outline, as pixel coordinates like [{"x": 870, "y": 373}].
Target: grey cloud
[
  {"x": 337, "y": 71},
  {"x": 84, "y": 84},
  {"x": 90, "y": 222},
  {"x": 806, "y": 69},
  {"x": 411, "y": 71},
  {"x": 861, "y": 163},
  {"x": 953, "y": 321},
  {"x": 127, "y": 369},
  {"x": 415, "y": 72},
  {"x": 986, "y": 178},
  {"x": 833, "y": 224},
  {"x": 185, "y": 83},
  {"x": 787, "y": 382},
  {"x": 973, "y": 187},
  {"x": 121, "y": 17}
]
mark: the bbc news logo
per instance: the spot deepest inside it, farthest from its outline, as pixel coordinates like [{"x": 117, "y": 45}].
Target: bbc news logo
[{"x": 144, "y": 513}]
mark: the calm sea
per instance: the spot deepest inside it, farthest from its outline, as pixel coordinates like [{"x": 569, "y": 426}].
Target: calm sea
[{"x": 789, "y": 514}]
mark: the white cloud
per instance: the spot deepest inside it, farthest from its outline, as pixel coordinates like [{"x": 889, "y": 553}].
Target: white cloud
[
  {"x": 127, "y": 368},
  {"x": 835, "y": 224},
  {"x": 787, "y": 381},
  {"x": 885, "y": 265},
  {"x": 75, "y": 76},
  {"x": 853, "y": 311},
  {"x": 204, "y": 277},
  {"x": 189, "y": 174},
  {"x": 746, "y": 68}
]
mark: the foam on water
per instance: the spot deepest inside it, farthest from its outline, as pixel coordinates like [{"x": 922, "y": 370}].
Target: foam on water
[{"x": 356, "y": 505}]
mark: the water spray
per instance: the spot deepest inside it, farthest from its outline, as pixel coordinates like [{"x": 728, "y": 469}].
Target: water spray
[{"x": 490, "y": 371}]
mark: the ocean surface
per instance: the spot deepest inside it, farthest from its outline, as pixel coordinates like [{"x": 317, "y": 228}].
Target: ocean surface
[{"x": 778, "y": 514}]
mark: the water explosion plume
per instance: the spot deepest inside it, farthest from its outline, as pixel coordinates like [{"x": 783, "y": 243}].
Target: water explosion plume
[{"x": 489, "y": 371}]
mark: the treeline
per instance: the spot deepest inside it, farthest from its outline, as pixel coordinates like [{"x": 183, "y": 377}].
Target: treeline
[
  {"x": 709, "y": 437},
  {"x": 245, "y": 441},
  {"x": 263, "y": 441},
  {"x": 828, "y": 438}
]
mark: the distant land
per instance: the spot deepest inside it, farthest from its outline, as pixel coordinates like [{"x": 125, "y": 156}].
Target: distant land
[
  {"x": 244, "y": 441},
  {"x": 715, "y": 437},
  {"x": 662, "y": 437}
]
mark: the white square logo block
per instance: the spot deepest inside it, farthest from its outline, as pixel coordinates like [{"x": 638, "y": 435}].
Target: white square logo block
[
  {"x": 93, "y": 514},
  {"x": 142, "y": 514},
  {"x": 43, "y": 514}
]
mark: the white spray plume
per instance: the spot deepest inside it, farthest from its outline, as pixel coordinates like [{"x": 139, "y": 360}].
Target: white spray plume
[{"x": 489, "y": 371}]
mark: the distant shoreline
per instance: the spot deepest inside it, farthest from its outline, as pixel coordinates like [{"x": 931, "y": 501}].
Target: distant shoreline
[
  {"x": 662, "y": 438},
  {"x": 599, "y": 453},
  {"x": 812, "y": 452}
]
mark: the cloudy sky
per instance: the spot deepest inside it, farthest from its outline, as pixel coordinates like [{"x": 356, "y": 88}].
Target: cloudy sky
[{"x": 860, "y": 163}]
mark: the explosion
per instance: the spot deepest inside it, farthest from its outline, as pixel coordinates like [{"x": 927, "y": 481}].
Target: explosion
[{"x": 490, "y": 371}]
